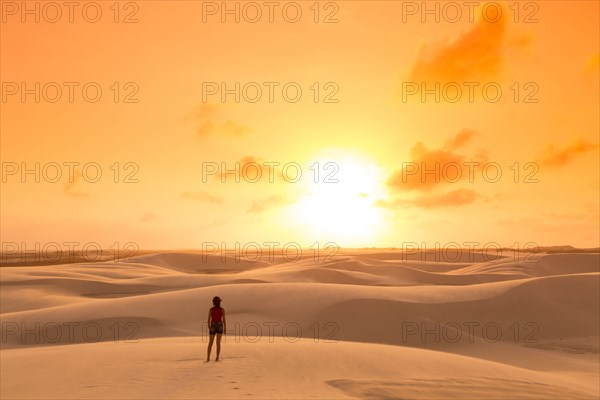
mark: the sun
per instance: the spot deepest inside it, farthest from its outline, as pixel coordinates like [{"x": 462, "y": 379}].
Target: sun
[{"x": 338, "y": 203}]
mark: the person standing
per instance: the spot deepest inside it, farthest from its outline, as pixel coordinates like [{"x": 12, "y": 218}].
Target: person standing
[{"x": 217, "y": 326}]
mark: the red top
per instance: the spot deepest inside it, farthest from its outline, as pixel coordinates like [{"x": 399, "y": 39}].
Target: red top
[{"x": 215, "y": 314}]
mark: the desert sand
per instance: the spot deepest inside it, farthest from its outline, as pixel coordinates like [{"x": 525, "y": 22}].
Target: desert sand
[{"x": 364, "y": 324}]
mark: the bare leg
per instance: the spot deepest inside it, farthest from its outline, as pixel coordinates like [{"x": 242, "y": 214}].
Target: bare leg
[
  {"x": 210, "y": 343},
  {"x": 219, "y": 335}
]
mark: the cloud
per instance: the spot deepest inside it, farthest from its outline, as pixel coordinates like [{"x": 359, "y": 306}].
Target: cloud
[
  {"x": 70, "y": 188},
  {"x": 460, "y": 139},
  {"x": 475, "y": 55},
  {"x": 428, "y": 169},
  {"x": 148, "y": 217},
  {"x": 454, "y": 198},
  {"x": 269, "y": 202},
  {"x": 212, "y": 123},
  {"x": 445, "y": 164},
  {"x": 202, "y": 196},
  {"x": 250, "y": 169},
  {"x": 382, "y": 203},
  {"x": 592, "y": 68},
  {"x": 556, "y": 157},
  {"x": 594, "y": 63},
  {"x": 458, "y": 197}
]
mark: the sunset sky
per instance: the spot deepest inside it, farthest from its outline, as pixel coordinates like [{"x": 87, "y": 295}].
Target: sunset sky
[{"x": 542, "y": 133}]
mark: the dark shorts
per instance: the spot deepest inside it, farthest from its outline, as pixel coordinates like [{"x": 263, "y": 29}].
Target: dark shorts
[{"x": 216, "y": 327}]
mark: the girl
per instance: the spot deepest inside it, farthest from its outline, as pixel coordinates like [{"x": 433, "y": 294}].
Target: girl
[{"x": 217, "y": 325}]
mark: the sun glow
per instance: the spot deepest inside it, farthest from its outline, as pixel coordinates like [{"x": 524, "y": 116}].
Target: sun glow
[{"x": 339, "y": 200}]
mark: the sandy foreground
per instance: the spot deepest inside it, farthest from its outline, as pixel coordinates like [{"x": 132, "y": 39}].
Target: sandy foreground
[{"x": 368, "y": 324}]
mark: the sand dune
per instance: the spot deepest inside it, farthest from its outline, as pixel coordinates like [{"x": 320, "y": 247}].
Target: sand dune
[
  {"x": 366, "y": 325},
  {"x": 175, "y": 368}
]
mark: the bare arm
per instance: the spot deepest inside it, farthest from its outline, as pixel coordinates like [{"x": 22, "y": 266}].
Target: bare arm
[
  {"x": 208, "y": 323},
  {"x": 224, "y": 323}
]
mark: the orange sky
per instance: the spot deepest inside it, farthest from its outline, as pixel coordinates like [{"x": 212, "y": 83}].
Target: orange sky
[{"x": 372, "y": 57}]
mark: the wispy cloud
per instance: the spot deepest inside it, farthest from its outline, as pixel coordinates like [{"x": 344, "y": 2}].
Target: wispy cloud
[
  {"x": 474, "y": 55},
  {"x": 202, "y": 196},
  {"x": 458, "y": 197},
  {"x": 593, "y": 66},
  {"x": 594, "y": 63},
  {"x": 149, "y": 217},
  {"x": 414, "y": 176},
  {"x": 454, "y": 198},
  {"x": 251, "y": 169},
  {"x": 268, "y": 203},
  {"x": 71, "y": 188},
  {"x": 212, "y": 121},
  {"x": 418, "y": 182},
  {"x": 556, "y": 157}
]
